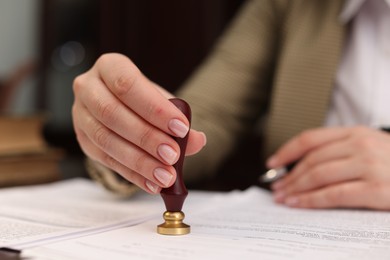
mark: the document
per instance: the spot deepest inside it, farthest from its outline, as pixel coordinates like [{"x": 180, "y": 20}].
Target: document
[
  {"x": 238, "y": 225},
  {"x": 35, "y": 215}
]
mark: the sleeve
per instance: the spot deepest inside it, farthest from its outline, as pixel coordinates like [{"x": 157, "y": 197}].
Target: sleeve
[
  {"x": 228, "y": 93},
  {"x": 110, "y": 179}
]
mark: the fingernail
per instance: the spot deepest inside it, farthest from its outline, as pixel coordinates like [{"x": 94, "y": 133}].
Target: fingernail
[
  {"x": 272, "y": 162},
  {"x": 151, "y": 186},
  {"x": 292, "y": 201},
  {"x": 277, "y": 185},
  {"x": 167, "y": 153},
  {"x": 178, "y": 127},
  {"x": 163, "y": 176},
  {"x": 279, "y": 196},
  {"x": 205, "y": 138}
]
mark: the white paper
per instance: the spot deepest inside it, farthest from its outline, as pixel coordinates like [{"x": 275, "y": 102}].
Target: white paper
[
  {"x": 40, "y": 214},
  {"x": 240, "y": 225}
]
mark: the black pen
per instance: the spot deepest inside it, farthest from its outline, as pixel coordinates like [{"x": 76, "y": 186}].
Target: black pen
[
  {"x": 275, "y": 174},
  {"x": 9, "y": 253}
]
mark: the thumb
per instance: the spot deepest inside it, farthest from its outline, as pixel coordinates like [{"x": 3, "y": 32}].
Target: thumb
[{"x": 196, "y": 141}]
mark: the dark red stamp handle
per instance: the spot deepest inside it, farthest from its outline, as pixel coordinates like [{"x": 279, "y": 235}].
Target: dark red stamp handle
[{"x": 175, "y": 195}]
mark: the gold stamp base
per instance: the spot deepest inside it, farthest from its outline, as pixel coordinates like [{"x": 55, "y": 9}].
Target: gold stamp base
[{"x": 173, "y": 224}]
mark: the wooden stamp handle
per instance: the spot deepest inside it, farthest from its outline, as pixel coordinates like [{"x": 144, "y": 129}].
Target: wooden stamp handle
[{"x": 175, "y": 195}]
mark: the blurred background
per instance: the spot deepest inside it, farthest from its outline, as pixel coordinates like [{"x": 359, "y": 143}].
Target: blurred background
[{"x": 45, "y": 44}]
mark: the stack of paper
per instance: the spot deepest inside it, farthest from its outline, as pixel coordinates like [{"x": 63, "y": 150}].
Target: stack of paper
[{"x": 89, "y": 223}]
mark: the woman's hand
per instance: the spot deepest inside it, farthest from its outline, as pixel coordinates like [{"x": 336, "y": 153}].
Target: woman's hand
[
  {"x": 338, "y": 167},
  {"x": 125, "y": 122}
]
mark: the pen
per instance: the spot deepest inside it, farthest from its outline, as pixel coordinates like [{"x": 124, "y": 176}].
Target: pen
[
  {"x": 9, "y": 253},
  {"x": 275, "y": 174}
]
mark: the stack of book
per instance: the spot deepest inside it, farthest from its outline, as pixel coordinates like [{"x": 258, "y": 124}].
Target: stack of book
[{"x": 25, "y": 157}]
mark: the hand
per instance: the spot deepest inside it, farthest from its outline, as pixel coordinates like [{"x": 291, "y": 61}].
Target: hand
[
  {"x": 125, "y": 122},
  {"x": 338, "y": 167}
]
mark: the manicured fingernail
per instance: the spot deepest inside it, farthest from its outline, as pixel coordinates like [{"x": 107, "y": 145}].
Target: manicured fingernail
[
  {"x": 163, "y": 176},
  {"x": 178, "y": 127},
  {"x": 272, "y": 162},
  {"x": 204, "y": 138},
  {"x": 151, "y": 186},
  {"x": 279, "y": 196},
  {"x": 277, "y": 185},
  {"x": 292, "y": 201},
  {"x": 167, "y": 153}
]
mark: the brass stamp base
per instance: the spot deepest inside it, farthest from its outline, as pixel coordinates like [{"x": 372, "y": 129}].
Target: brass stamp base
[{"x": 173, "y": 224}]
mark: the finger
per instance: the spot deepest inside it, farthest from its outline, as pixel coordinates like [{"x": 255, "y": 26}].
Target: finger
[
  {"x": 196, "y": 141},
  {"x": 328, "y": 152},
  {"x": 298, "y": 146},
  {"x": 325, "y": 174},
  {"x": 128, "y": 84},
  {"x": 130, "y": 175},
  {"x": 100, "y": 157},
  {"x": 356, "y": 194},
  {"x": 117, "y": 117},
  {"x": 124, "y": 152}
]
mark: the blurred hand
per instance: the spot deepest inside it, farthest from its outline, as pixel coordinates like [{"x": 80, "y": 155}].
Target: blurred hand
[
  {"x": 338, "y": 167},
  {"x": 125, "y": 122}
]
